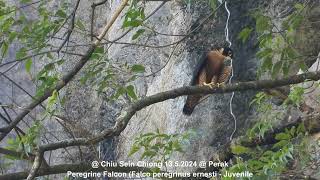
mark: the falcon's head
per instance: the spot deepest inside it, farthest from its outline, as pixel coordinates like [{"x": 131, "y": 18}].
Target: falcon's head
[{"x": 226, "y": 51}]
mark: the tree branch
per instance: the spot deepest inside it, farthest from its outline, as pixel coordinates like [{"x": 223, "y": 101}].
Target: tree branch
[{"x": 71, "y": 27}]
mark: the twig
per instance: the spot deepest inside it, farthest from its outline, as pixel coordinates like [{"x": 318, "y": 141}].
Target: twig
[{"x": 69, "y": 32}]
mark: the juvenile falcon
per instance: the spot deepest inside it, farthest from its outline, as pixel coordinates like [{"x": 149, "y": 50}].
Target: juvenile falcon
[{"x": 213, "y": 71}]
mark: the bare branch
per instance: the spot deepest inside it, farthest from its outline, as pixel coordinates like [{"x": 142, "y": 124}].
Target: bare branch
[{"x": 71, "y": 27}]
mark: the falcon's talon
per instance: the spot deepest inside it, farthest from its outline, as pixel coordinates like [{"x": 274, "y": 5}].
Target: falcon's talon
[{"x": 210, "y": 85}]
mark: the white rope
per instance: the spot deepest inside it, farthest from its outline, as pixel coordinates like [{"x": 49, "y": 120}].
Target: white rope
[{"x": 226, "y": 32}]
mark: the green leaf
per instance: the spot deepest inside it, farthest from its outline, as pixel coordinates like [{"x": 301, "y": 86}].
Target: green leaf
[
  {"x": 149, "y": 154},
  {"x": 134, "y": 17},
  {"x": 238, "y": 149},
  {"x": 213, "y": 4},
  {"x": 131, "y": 93},
  {"x": 296, "y": 21},
  {"x": 303, "y": 66},
  {"x": 138, "y": 68},
  {"x": 263, "y": 23},
  {"x": 280, "y": 144},
  {"x": 298, "y": 6},
  {"x": 52, "y": 100},
  {"x": 282, "y": 136},
  {"x": 21, "y": 53},
  {"x": 276, "y": 68},
  {"x": 119, "y": 92},
  {"x": 263, "y": 53},
  {"x": 60, "y": 61},
  {"x": 293, "y": 131},
  {"x": 285, "y": 68},
  {"x": 61, "y": 13},
  {"x": 28, "y": 65},
  {"x": 177, "y": 146},
  {"x": 98, "y": 52},
  {"x": 244, "y": 34},
  {"x": 4, "y": 48},
  {"x": 267, "y": 63},
  {"x": 138, "y": 33},
  {"x": 301, "y": 128},
  {"x": 80, "y": 25},
  {"x": 135, "y": 148}
]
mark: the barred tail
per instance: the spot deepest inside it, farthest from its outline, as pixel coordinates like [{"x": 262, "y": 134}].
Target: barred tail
[{"x": 192, "y": 101}]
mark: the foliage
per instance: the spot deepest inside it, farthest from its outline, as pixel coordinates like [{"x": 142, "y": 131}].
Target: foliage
[
  {"x": 276, "y": 47},
  {"x": 244, "y": 34},
  {"x": 134, "y": 15},
  {"x": 27, "y": 143},
  {"x": 213, "y": 4},
  {"x": 267, "y": 116},
  {"x": 269, "y": 162},
  {"x": 295, "y": 97},
  {"x": 158, "y": 146},
  {"x": 277, "y": 55},
  {"x": 52, "y": 101}
]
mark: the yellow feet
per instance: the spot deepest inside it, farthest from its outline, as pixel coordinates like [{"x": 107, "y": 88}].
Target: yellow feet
[{"x": 212, "y": 85}]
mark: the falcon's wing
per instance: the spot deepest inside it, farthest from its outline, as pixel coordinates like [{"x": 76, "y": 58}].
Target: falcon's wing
[
  {"x": 225, "y": 74},
  {"x": 199, "y": 69},
  {"x": 192, "y": 100}
]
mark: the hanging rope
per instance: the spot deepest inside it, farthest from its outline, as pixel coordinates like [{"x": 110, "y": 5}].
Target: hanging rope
[{"x": 226, "y": 32}]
